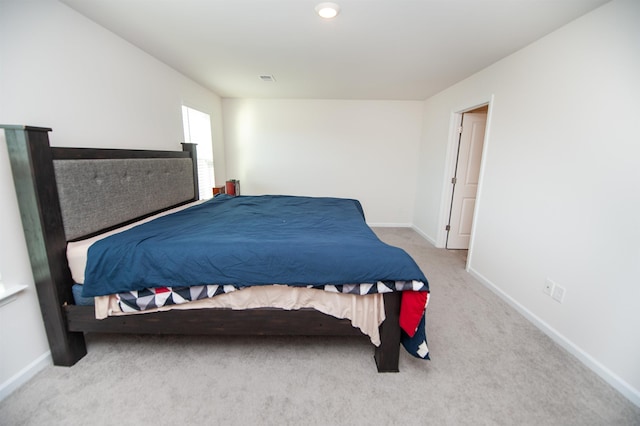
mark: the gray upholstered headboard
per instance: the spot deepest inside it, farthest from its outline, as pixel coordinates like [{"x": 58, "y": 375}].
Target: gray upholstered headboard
[
  {"x": 86, "y": 181},
  {"x": 99, "y": 194}
]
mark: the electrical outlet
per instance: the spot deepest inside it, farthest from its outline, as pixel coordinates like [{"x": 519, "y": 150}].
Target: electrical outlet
[
  {"x": 548, "y": 287},
  {"x": 558, "y": 294}
]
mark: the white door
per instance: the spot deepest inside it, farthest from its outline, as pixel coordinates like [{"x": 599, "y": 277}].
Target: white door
[{"x": 465, "y": 181}]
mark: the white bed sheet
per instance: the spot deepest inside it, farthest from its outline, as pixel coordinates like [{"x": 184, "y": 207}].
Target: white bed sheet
[
  {"x": 77, "y": 250},
  {"x": 364, "y": 312}
]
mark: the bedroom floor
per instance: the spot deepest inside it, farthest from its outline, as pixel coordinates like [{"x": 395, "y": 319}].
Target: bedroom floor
[{"x": 489, "y": 366}]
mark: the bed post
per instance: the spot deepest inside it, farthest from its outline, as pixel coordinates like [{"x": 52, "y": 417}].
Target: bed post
[
  {"x": 191, "y": 149},
  {"x": 35, "y": 182},
  {"x": 387, "y": 354}
]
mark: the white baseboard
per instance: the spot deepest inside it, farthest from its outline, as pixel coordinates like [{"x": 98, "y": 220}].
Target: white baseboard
[
  {"x": 607, "y": 375},
  {"x": 404, "y": 225},
  {"x": 389, "y": 225},
  {"x": 424, "y": 235},
  {"x": 24, "y": 375}
]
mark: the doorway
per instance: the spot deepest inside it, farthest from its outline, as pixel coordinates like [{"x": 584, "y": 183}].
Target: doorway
[{"x": 466, "y": 174}]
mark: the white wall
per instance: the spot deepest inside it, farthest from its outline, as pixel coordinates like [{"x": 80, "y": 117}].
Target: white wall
[
  {"x": 60, "y": 70},
  {"x": 357, "y": 149},
  {"x": 560, "y": 191}
]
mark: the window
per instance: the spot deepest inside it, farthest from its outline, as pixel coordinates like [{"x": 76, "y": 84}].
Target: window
[{"x": 197, "y": 129}]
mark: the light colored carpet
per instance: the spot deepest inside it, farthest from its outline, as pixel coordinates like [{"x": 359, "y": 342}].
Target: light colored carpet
[{"x": 489, "y": 366}]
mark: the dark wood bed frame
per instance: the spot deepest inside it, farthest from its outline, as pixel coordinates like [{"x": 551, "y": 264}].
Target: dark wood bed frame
[{"x": 32, "y": 162}]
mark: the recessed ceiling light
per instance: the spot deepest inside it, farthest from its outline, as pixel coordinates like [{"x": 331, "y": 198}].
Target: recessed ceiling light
[{"x": 328, "y": 10}]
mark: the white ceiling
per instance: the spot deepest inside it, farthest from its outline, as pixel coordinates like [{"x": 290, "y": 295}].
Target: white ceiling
[{"x": 374, "y": 49}]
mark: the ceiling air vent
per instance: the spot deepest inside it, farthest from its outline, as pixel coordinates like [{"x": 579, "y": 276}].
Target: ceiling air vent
[{"x": 267, "y": 78}]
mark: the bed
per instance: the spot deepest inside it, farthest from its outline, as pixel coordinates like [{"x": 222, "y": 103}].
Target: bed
[{"x": 67, "y": 195}]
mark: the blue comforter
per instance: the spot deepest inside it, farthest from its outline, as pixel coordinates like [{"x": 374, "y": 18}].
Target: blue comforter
[
  {"x": 244, "y": 241},
  {"x": 248, "y": 241}
]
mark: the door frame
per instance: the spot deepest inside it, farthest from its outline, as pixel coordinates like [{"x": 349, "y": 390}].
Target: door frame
[{"x": 450, "y": 164}]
